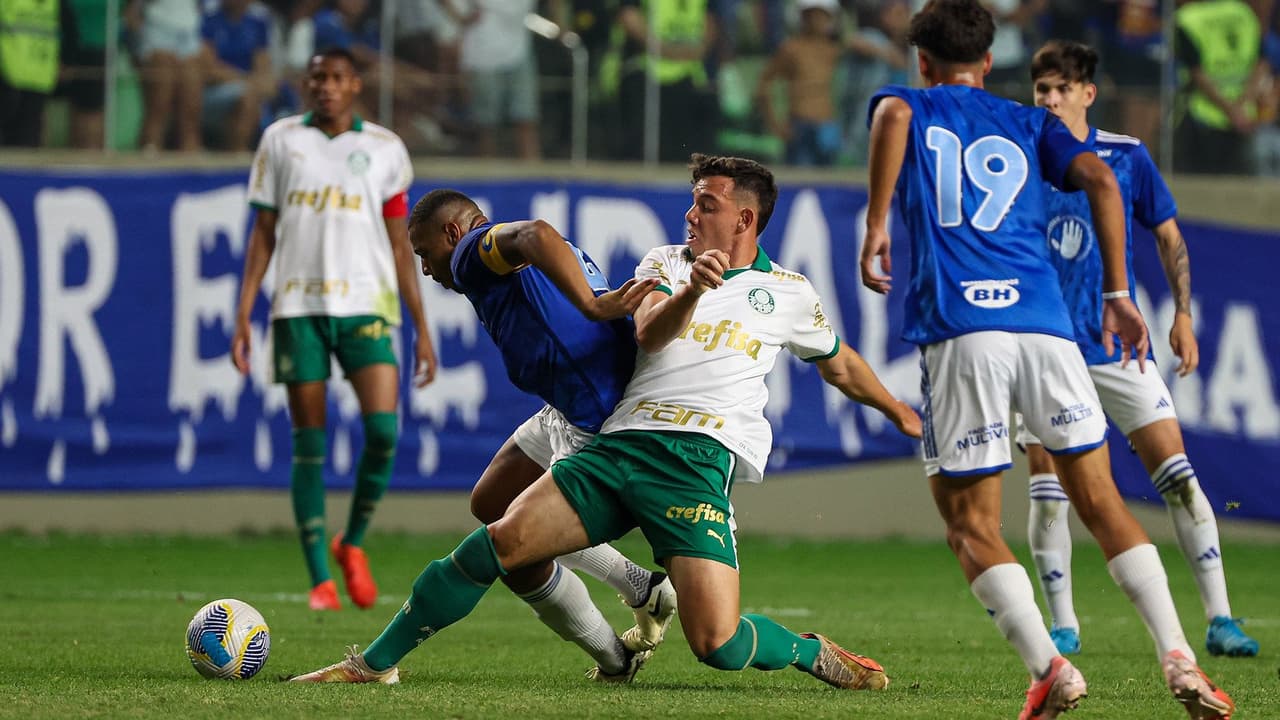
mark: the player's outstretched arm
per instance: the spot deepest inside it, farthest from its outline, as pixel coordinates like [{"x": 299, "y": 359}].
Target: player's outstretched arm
[
  {"x": 424, "y": 353},
  {"x": 889, "y": 131},
  {"x": 1120, "y": 317},
  {"x": 1177, "y": 270},
  {"x": 262, "y": 244},
  {"x": 539, "y": 244},
  {"x": 850, "y": 374}
]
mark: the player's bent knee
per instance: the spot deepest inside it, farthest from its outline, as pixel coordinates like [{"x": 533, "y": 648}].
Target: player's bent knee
[
  {"x": 732, "y": 652},
  {"x": 380, "y": 433}
]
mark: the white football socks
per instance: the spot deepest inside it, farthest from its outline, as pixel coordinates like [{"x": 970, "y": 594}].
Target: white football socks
[
  {"x": 1005, "y": 591},
  {"x": 1139, "y": 573},
  {"x": 609, "y": 566},
  {"x": 1197, "y": 531},
  {"x": 564, "y": 605},
  {"x": 1050, "y": 540}
]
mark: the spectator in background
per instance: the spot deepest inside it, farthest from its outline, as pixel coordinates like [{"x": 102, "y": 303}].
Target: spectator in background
[
  {"x": 168, "y": 50},
  {"x": 806, "y": 64},
  {"x": 29, "y": 43},
  {"x": 1267, "y": 143},
  {"x": 241, "y": 80},
  {"x": 686, "y": 31},
  {"x": 500, "y": 72},
  {"x": 1009, "y": 57},
  {"x": 1131, "y": 44},
  {"x": 878, "y": 56},
  {"x": 1219, "y": 44},
  {"x": 83, "y": 77}
]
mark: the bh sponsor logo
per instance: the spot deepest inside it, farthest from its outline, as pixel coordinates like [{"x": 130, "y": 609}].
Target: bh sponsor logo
[{"x": 991, "y": 294}]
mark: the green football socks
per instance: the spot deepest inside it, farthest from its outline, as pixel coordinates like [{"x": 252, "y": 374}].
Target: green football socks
[
  {"x": 765, "y": 645},
  {"x": 446, "y": 591},
  {"x": 372, "y": 473},
  {"x": 306, "y": 486}
]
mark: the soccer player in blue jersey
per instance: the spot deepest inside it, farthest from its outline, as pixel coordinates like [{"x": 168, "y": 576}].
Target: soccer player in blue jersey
[
  {"x": 984, "y": 305},
  {"x": 1139, "y": 403},
  {"x": 567, "y": 338}
]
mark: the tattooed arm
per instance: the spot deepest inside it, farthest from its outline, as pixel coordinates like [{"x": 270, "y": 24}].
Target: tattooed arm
[{"x": 1177, "y": 270}]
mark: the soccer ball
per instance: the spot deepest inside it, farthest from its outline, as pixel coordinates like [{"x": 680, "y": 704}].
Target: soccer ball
[{"x": 228, "y": 639}]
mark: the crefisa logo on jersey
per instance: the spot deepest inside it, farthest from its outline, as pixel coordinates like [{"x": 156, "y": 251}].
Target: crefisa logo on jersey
[
  {"x": 761, "y": 300},
  {"x": 991, "y": 294},
  {"x": 1070, "y": 236},
  {"x": 358, "y": 162}
]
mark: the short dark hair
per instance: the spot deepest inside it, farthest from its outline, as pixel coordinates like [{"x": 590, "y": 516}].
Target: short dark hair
[
  {"x": 433, "y": 202},
  {"x": 953, "y": 31},
  {"x": 747, "y": 175},
  {"x": 334, "y": 52},
  {"x": 1074, "y": 61}
]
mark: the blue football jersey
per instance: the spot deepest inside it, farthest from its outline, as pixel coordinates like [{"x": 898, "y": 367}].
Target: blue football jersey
[
  {"x": 1073, "y": 244},
  {"x": 972, "y": 197},
  {"x": 578, "y": 366}
]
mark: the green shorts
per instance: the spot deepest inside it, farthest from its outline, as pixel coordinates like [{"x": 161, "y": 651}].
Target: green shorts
[
  {"x": 674, "y": 486},
  {"x": 301, "y": 346}
]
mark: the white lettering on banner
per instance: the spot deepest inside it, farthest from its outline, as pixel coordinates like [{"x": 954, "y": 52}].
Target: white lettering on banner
[
  {"x": 1241, "y": 398},
  {"x": 461, "y": 388},
  {"x": 552, "y": 207},
  {"x": 12, "y": 292},
  {"x": 196, "y": 223},
  {"x": 900, "y": 375},
  {"x": 606, "y": 226},
  {"x": 62, "y": 218}
]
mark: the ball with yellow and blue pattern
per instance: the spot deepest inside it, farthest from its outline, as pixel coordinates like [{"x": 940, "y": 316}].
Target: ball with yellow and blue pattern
[{"x": 228, "y": 639}]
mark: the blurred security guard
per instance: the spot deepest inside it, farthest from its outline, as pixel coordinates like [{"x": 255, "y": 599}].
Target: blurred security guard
[{"x": 29, "y": 43}]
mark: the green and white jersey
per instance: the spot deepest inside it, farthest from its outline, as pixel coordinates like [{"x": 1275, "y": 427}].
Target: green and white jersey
[
  {"x": 333, "y": 256},
  {"x": 710, "y": 378}
]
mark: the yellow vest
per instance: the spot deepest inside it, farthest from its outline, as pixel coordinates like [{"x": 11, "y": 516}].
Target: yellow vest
[
  {"x": 1228, "y": 37},
  {"x": 674, "y": 21},
  {"x": 29, "y": 44}
]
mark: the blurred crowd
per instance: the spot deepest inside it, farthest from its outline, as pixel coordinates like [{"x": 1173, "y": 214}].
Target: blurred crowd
[{"x": 781, "y": 80}]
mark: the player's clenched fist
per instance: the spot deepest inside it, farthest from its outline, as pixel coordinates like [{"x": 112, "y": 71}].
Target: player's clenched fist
[{"x": 708, "y": 271}]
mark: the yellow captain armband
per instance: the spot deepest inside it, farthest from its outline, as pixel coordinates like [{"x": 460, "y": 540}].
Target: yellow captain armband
[{"x": 492, "y": 257}]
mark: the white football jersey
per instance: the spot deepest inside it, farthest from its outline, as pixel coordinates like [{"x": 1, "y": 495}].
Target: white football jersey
[
  {"x": 710, "y": 378},
  {"x": 333, "y": 255}
]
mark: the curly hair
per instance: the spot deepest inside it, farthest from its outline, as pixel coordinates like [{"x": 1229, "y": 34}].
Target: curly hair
[
  {"x": 953, "y": 31},
  {"x": 748, "y": 176}
]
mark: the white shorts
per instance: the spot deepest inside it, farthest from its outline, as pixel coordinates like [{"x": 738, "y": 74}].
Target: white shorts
[
  {"x": 548, "y": 436},
  {"x": 970, "y": 383},
  {"x": 1132, "y": 399}
]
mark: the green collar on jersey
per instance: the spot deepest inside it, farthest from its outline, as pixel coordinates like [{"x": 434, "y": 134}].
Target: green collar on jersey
[
  {"x": 761, "y": 263},
  {"x": 357, "y": 122}
]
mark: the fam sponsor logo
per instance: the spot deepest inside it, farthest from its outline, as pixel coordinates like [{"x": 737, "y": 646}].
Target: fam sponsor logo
[
  {"x": 982, "y": 435},
  {"x": 1073, "y": 414},
  {"x": 1070, "y": 236},
  {"x": 730, "y": 332},
  {"x": 677, "y": 415},
  {"x": 316, "y": 286},
  {"x": 991, "y": 294}
]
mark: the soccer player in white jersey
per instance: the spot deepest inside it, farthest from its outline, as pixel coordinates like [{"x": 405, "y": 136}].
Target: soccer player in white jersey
[
  {"x": 330, "y": 190},
  {"x": 984, "y": 306},
  {"x": 690, "y": 424},
  {"x": 1138, "y": 402}
]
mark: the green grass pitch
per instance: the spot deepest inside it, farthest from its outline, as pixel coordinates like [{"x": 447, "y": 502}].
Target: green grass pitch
[{"x": 93, "y": 627}]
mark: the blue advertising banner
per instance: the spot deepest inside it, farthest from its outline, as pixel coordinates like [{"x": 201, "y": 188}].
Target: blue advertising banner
[{"x": 118, "y": 291}]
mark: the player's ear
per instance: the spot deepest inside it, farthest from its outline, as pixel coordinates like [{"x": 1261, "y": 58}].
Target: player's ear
[
  {"x": 1090, "y": 94},
  {"x": 746, "y": 216},
  {"x": 986, "y": 64},
  {"x": 923, "y": 61},
  {"x": 453, "y": 232}
]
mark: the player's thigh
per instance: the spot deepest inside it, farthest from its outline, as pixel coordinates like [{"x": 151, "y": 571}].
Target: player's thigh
[
  {"x": 709, "y": 601},
  {"x": 539, "y": 525},
  {"x": 966, "y": 383},
  {"x": 590, "y": 481},
  {"x": 362, "y": 345},
  {"x": 1086, "y": 478},
  {"x": 1156, "y": 442},
  {"x": 1132, "y": 398},
  {"x": 1055, "y": 395},
  {"x": 508, "y": 474},
  {"x": 300, "y": 348}
]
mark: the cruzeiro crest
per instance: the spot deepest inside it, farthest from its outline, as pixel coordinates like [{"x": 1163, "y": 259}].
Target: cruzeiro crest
[
  {"x": 761, "y": 300},
  {"x": 358, "y": 162}
]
